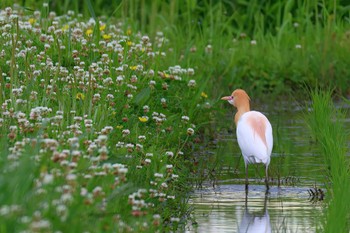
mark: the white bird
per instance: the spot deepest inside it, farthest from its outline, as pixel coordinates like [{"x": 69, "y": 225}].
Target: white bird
[{"x": 254, "y": 132}]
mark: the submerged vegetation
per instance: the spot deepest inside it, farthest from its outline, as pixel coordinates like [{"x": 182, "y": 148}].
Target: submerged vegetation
[{"x": 103, "y": 104}]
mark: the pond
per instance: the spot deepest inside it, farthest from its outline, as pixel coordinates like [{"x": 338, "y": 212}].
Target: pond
[{"x": 222, "y": 205}]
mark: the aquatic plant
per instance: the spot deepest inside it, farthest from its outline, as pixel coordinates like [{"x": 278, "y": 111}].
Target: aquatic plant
[{"x": 327, "y": 126}]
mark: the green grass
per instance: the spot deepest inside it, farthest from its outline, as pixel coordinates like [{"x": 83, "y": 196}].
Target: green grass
[
  {"x": 298, "y": 43},
  {"x": 327, "y": 126},
  {"x": 97, "y": 126}
]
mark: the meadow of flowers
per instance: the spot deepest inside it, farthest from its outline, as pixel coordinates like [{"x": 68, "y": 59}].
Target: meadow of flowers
[{"x": 96, "y": 125}]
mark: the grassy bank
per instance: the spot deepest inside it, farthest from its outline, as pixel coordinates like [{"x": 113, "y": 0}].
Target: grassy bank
[
  {"x": 97, "y": 126},
  {"x": 327, "y": 126}
]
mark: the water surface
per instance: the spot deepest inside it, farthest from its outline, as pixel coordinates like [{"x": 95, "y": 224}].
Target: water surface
[
  {"x": 296, "y": 167},
  {"x": 227, "y": 208}
]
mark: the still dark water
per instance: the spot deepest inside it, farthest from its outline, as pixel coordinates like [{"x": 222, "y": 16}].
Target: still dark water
[{"x": 295, "y": 161}]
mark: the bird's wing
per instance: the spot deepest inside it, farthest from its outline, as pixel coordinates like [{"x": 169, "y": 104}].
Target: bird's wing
[
  {"x": 256, "y": 148},
  {"x": 269, "y": 137}
]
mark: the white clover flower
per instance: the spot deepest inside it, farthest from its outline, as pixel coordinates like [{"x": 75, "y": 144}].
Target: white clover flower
[
  {"x": 152, "y": 83},
  {"x": 145, "y": 39},
  {"x": 190, "y": 71},
  {"x": 103, "y": 150},
  {"x": 157, "y": 119},
  {"x": 151, "y": 72},
  {"x": 175, "y": 219},
  {"x": 123, "y": 170},
  {"x": 169, "y": 154},
  {"x": 48, "y": 179},
  {"x": 71, "y": 177},
  {"x": 158, "y": 175},
  {"x": 110, "y": 97},
  {"x": 125, "y": 132},
  {"x": 13, "y": 128},
  {"x": 147, "y": 161},
  {"x": 190, "y": 131},
  {"x": 192, "y": 83},
  {"x": 13, "y": 16},
  {"x": 119, "y": 144},
  {"x": 97, "y": 190},
  {"x": 208, "y": 49},
  {"x": 185, "y": 118},
  {"x": 145, "y": 108},
  {"x": 40, "y": 225}
]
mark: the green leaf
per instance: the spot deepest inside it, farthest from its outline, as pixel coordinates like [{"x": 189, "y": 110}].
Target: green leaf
[{"x": 143, "y": 96}]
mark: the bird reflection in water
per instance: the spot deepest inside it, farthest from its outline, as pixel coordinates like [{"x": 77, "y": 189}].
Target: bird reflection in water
[{"x": 255, "y": 221}]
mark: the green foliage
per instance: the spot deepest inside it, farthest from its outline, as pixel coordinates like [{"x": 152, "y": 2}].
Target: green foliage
[
  {"x": 327, "y": 126},
  {"x": 273, "y": 46},
  {"x": 97, "y": 124}
]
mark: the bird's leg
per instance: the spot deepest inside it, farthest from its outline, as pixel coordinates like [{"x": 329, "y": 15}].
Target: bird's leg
[
  {"x": 267, "y": 177},
  {"x": 246, "y": 198},
  {"x": 246, "y": 176}
]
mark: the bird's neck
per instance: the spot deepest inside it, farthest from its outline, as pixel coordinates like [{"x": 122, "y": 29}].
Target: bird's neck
[{"x": 241, "y": 110}]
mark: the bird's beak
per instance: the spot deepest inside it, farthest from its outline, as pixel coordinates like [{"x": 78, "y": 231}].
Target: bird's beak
[{"x": 227, "y": 98}]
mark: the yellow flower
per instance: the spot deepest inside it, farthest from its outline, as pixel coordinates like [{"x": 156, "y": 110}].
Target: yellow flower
[
  {"x": 65, "y": 27},
  {"x": 80, "y": 96},
  {"x": 102, "y": 27},
  {"x": 106, "y": 36},
  {"x": 119, "y": 126},
  {"x": 31, "y": 21},
  {"x": 204, "y": 95},
  {"x": 128, "y": 32},
  {"x": 143, "y": 119},
  {"x": 89, "y": 32},
  {"x": 133, "y": 67}
]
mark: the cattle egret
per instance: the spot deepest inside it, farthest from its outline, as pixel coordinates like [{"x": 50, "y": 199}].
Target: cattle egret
[{"x": 254, "y": 133}]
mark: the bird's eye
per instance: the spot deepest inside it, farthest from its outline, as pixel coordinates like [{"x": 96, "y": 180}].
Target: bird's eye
[{"x": 231, "y": 100}]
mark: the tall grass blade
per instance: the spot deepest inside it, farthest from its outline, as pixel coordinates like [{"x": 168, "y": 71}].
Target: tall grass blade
[{"x": 327, "y": 127}]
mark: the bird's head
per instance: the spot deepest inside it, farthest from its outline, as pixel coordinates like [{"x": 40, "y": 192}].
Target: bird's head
[{"x": 238, "y": 98}]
